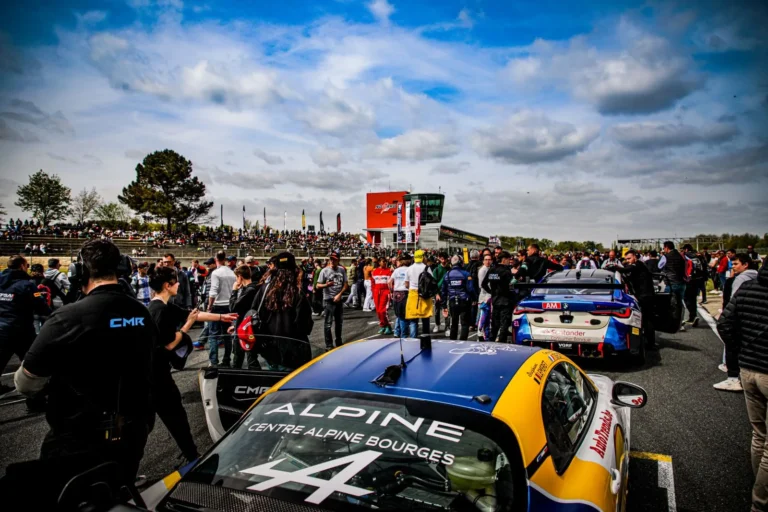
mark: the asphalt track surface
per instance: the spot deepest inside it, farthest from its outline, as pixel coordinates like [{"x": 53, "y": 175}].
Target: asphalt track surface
[{"x": 704, "y": 432}]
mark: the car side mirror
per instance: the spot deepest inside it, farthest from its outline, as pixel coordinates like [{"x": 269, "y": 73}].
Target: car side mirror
[{"x": 625, "y": 394}]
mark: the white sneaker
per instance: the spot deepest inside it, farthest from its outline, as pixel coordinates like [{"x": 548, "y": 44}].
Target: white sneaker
[
  {"x": 682, "y": 328},
  {"x": 722, "y": 368},
  {"x": 447, "y": 333},
  {"x": 435, "y": 329},
  {"x": 729, "y": 384}
]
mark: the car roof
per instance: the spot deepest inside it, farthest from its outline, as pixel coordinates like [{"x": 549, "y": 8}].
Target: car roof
[
  {"x": 453, "y": 372},
  {"x": 586, "y": 275}
]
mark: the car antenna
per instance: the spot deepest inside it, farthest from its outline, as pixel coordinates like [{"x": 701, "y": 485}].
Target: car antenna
[{"x": 392, "y": 373}]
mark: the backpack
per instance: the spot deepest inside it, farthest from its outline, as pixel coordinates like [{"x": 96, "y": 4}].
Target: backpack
[
  {"x": 427, "y": 285},
  {"x": 688, "y": 269},
  {"x": 251, "y": 326},
  {"x": 53, "y": 287},
  {"x": 46, "y": 292}
]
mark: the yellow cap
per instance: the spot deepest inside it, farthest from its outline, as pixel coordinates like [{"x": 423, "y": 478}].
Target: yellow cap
[{"x": 418, "y": 256}]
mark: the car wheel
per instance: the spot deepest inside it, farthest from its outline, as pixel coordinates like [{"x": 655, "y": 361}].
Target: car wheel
[{"x": 638, "y": 356}]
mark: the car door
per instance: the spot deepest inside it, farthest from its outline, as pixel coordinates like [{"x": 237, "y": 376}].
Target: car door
[
  {"x": 581, "y": 428},
  {"x": 228, "y": 393}
]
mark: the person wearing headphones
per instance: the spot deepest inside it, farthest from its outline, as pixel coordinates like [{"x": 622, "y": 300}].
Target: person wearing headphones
[{"x": 93, "y": 358}]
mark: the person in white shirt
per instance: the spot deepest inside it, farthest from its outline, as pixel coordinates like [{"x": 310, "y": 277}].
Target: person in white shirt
[
  {"x": 222, "y": 281},
  {"x": 424, "y": 306},
  {"x": 400, "y": 295},
  {"x": 586, "y": 262}
]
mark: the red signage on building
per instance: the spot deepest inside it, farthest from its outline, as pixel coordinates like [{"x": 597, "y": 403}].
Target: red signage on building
[{"x": 381, "y": 209}]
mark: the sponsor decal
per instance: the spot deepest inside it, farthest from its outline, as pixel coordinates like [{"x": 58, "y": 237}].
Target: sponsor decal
[
  {"x": 635, "y": 331},
  {"x": 250, "y": 392},
  {"x": 6, "y": 297},
  {"x": 600, "y": 441},
  {"x": 537, "y": 371},
  {"x": 384, "y": 208},
  {"x": 482, "y": 349},
  {"x": 565, "y": 346},
  {"x": 550, "y": 305},
  {"x": 338, "y": 483},
  {"x": 555, "y": 356}
]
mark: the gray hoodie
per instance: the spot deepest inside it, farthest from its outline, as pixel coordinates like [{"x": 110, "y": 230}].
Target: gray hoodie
[
  {"x": 62, "y": 281},
  {"x": 742, "y": 278}
]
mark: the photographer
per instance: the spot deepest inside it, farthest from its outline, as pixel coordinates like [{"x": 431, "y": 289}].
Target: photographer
[{"x": 93, "y": 358}]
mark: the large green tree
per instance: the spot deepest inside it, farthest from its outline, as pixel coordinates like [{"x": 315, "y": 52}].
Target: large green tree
[
  {"x": 165, "y": 189},
  {"x": 112, "y": 215},
  {"x": 84, "y": 203},
  {"x": 45, "y": 197}
]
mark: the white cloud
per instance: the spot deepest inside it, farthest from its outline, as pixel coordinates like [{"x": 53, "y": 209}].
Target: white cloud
[
  {"x": 327, "y": 157},
  {"x": 528, "y": 137},
  {"x": 646, "y": 76},
  {"x": 465, "y": 18},
  {"x": 653, "y": 135},
  {"x": 270, "y": 159},
  {"x": 415, "y": 145},
  {"x": 450, "y": 168},
  {"x": 382, "y": 10}
]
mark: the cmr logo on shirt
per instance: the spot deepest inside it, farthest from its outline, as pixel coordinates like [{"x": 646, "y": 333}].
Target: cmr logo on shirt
[{"x": 116, "y": 323}]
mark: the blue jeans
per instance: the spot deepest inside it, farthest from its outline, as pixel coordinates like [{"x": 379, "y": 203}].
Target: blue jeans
[
  {"x": 678, "y": 295},
  {"x": 412, "y": 327},
  {"x": 218, "y": 332}
]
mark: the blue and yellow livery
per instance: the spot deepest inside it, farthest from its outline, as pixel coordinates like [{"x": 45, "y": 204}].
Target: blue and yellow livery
[{"x": 408, "y": 425}]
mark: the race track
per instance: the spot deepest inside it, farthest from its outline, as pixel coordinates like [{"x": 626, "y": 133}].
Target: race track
[{"x": 690, "y": 443}]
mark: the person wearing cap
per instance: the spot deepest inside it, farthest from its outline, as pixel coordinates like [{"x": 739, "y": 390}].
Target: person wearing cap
[
  {"x": 232, "y": 262},
  {"x": 168, "y": 316},
  {"x": 140, "y": 284},
  {"x": 417, "y": 307},
  {"x": 256, "y": 270},
  {"x": 333, "y": 282},
  {"x": 286, "y": 316}
]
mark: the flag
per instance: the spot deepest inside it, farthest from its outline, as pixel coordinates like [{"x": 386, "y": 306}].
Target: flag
[
  {"x": 303, "y": 220},
  {"x": 407, "y": 222},
  {"x": 285, "y": 220},
  {"x": 265, "y": 219},
  {"x": 338, "y": 222},
  {"x": 399, "y": 223},
  {"x": 322, "y": 226},
  {"x": 417, "y": 219},
  {"x": 243, "y": 217}
]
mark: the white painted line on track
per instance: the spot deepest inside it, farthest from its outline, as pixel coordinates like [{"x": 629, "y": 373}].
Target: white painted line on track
[
  {"x": 667, "y": 481},
  {"x": 708, "y": 318}
]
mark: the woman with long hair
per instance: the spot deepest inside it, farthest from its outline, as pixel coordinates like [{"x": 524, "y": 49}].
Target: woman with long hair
[
  {"x": 171, "y": 340},
  {"x": 285, "y": 315}
]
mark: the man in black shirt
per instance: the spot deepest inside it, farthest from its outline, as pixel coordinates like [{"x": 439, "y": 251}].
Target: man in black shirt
[
  {"x": 641, "y": 280},
  {"x": 94, "y": 358},
  {"x": 172, "y": 348},
  {"x": 538, "y": 265},
  {"x": 496, "y": 283}
]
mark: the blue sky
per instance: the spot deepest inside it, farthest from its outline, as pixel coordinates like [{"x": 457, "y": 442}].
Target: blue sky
[{"x": 648, "y": 115}]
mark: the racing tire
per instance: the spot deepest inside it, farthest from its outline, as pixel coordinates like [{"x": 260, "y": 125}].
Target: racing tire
[{"x": 638, "y": 357}]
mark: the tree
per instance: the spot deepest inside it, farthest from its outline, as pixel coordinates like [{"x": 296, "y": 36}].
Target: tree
[
  {"x": 84, "y": 204},
  {"x": 112, "y": 214},
  {"x": 2, "y": 211},
  {"x": 45, "y": 197},
  {"x": 165, "y": 188}
]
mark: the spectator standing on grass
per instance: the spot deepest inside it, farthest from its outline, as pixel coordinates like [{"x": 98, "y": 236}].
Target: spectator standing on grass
[
  {"x": 741, "y": 274},
  {"x": 744, "y": 324},
  {"x": 333, "y": 282},
  {"x": 222, "y": 282}
]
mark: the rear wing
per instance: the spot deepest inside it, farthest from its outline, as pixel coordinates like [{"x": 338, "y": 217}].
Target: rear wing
[{"x": 574, "y": 284}]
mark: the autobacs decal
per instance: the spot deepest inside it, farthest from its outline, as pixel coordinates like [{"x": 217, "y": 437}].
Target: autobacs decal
[{"x": 600, "y": 441}]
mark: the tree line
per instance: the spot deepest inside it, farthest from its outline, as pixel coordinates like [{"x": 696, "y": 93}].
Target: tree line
[{"x": 163, "y": 190}]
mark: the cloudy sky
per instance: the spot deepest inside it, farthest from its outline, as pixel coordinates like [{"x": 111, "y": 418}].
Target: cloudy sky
[{"x": 536, "y": 118}]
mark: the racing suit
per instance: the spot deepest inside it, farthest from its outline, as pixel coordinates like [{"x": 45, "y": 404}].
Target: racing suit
[
  {"x": 496, "y": 283},
  {"x": 458, "y": 291},
  {"x": 20, "y": 301},
  {"x": 380, "y": 290}
]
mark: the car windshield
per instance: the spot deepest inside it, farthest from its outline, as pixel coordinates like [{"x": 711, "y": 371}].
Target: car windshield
[
  {"x": 571, "y": 287},
  {"x": 349, "y": 450}
]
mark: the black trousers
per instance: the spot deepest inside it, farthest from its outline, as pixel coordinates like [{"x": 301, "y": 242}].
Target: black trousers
[
  {"x": 460, "y": 312},
  {"x": 10, "y": 345},
  {"x": 334, "y": 312},
  {"x": 691, "y": 293},
  {"x": 732, "y": 359},
  {"x": 647, "y": 309},
  {"x": 168, "y": 405},
  {"x": 239, "y": 355},
  {"x": 501, "y": 319},
  {"x": 360, "y": 289}
]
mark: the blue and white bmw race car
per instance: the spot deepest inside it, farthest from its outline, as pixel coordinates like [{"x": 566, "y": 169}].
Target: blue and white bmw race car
[{"x": 588, "y": 313}]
